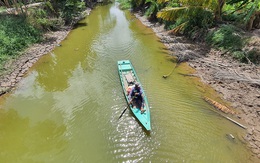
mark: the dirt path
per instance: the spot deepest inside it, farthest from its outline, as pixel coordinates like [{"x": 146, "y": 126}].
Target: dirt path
[{"x": 237, "y": 83}]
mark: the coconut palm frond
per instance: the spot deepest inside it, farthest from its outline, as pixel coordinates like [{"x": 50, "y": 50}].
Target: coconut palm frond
[
  {"x": 193, "y": 3},
  {"x": 162, "y": 1},
  {"x": 231, "y": 2},
  {"x": 250, "y": 12},
  {"x": 171, "y": 14},
  {"x": 178, "y": 29}
]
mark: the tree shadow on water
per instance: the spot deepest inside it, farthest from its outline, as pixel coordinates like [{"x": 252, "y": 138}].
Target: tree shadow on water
[
  {"x": 22, "y": 141},
  {"x": 80, "y": 24}
]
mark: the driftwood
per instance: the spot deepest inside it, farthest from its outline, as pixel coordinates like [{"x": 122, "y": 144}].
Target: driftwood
[
  {"x": 239, "y": 124},
  {"x": 190, "y": 75},
  {"x": 219, "y": 106},
  {"x": 225, "y": 110},
  {"x": 226, "y": 72}
]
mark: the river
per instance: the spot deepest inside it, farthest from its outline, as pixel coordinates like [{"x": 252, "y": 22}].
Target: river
[{"x": 66, "y": 108}]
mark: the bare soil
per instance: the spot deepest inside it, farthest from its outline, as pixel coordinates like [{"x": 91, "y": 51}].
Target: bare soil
[{"x": 237, "y": 83}]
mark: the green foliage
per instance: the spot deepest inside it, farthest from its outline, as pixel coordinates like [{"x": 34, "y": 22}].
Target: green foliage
[
  {"x": 251, "y": 56},
  {"x": 15, "y": 35},
  {"x": 232, "y": 17},
  {"x": 173, "y": 4},
  {"x": 125, "y": 4},
  {"x": 68, "y": 9},
  {"x": 199, "y": 20},
  {"x": 229, "y": 14},
  {"x": 254, "y": 56},
  {"x": 2, "y": 8},
  {"x": 239, "y": 55},
  {"x": 226, "y": 37},
  {"x": 43, "y": 19},
  {"x": 153, "y": 7},
  {"x": 71, "y": 9},
  {"x": 229, "y": 38},
  {"x": 169, "y": 25},
  {"x": 189, "y": 21},
  {"x": 137, "y": 3},
  {"x": 245, "y": 10}
]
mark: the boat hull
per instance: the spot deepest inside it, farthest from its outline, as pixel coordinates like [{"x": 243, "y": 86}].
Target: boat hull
[{"x": 128, "y": 78}]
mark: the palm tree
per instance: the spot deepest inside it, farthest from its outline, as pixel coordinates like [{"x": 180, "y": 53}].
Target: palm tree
[
  {"x": 251, "y": 11},
  {"x": 189, "y": 6},
  {"x": 192, "y": 15},
  {"x": 154, "y": 6},
  {"x": 218, "y": 10}
]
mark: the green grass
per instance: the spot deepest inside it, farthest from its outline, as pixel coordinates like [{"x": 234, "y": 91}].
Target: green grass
[{"x": 15, "y": 35}]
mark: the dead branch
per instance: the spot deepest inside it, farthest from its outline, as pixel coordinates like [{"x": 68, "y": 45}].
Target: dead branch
[{"x": 219, "y": 106}]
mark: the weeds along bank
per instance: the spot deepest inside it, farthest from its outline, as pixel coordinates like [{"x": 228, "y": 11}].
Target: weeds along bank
[
  {"x": 24, "y": 25},
  {"x": 28, "y": 34}
]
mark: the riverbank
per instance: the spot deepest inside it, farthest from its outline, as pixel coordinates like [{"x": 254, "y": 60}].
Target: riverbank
[
  {"x": 237, "y": 87},
  {"x": 16, "y": 68},
  {"x": 237, "y": 83}
]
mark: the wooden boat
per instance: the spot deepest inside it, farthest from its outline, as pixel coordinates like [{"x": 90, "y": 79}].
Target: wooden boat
[{"x": 128, "y": 79}]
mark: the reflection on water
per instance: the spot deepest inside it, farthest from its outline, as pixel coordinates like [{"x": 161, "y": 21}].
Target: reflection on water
[
  {"x": 67, "y": 108},
  {"x": 19, "y": 137}
]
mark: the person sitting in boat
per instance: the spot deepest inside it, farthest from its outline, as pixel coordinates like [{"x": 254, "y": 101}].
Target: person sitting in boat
[
  {"x": 129, "y": 89},
  {"x": 136, "y": 97}
]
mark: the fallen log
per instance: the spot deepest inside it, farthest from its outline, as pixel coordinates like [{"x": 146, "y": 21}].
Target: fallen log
[
  {"x": 219, "y": 106},
  {"x": 223, "y": 109}
]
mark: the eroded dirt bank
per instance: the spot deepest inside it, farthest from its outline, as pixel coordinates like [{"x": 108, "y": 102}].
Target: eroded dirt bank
[
  {"x": 237, "y": 83},
  {"x": 17, "y": 68}
]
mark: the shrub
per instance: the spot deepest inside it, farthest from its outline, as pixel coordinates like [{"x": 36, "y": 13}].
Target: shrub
[
  {"x": 254, "y": 56},
  {"x": 239, "y": 55},
  {"x": 226, "y": 37},
  {"x": 43, "y": 19},
  {"x": 199, "y": 22},
  {"x": 69, "y": 9},
  {"x": 15, "y": 35},
  {"x": 125, "y": 4}
]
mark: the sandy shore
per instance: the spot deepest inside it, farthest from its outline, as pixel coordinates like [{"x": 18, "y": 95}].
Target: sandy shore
[{"x": 237, "y": 83}]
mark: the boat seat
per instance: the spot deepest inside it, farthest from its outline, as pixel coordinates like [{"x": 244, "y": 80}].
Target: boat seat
[{"x": 129, "y": 78}]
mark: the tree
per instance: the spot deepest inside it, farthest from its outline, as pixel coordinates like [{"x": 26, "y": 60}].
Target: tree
[
  {"x": 189, "y": 6},
  {"x": 218, "y": 10},
  {"x": 190, "y": 15},
  {"x": 19, "y": 5},
  {"x": 153, "y": 7},
  {"x": 250, "y": 10},
  {"x": 68, "y": 9}
]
